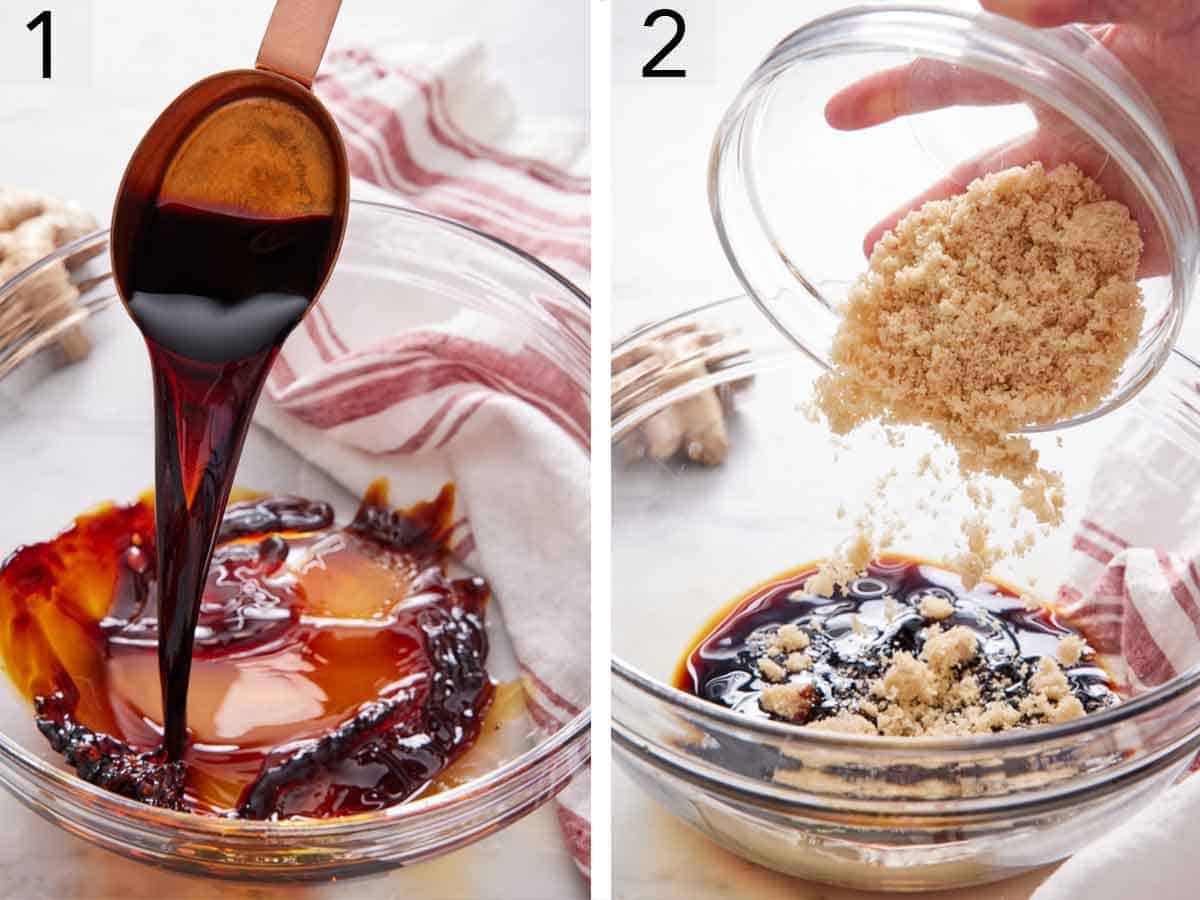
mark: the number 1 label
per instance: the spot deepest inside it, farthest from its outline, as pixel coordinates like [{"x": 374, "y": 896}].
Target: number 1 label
[
  {"x": 42, "y": 20},
  {"x": 46, "y": 44}
]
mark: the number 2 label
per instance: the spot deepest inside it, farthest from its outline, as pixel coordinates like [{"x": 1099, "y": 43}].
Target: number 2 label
[{"x": 650, "y": 69}]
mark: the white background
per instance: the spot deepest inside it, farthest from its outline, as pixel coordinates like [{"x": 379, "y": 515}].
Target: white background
[{"x": 74, "y": 141}]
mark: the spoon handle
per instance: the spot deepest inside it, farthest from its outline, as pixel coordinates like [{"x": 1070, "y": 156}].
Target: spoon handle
[{"x": 296, "y": 37}]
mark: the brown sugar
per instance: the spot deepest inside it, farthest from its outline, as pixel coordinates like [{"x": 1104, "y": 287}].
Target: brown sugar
[
  {"x": 1050, "y": 680},
  {"x": 1070, "y": 649},
  {"x": 771, "y": 670},
  {"x": 798, "y": 662},
  {"x": 792, "y": 701},
  {"x": 907, "y": 680},
  {"x": 1010, "y": 305},
  {"x": 788, "y": 644},
  {"x": 936, "y": 606},
  {"x": 846, "y": 564},
  {"x": 939, "y": 693},
  {"x": 788, "y": 639},
  {"x": 947, "y": 650}
]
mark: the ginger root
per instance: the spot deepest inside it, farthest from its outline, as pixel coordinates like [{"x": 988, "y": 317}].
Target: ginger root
[
  {"x": 694, "y": 425},
  {"x": 31, "y": 227}
]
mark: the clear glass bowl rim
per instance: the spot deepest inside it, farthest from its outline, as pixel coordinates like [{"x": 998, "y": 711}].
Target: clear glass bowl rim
[
  {"x": 1173, "y": 197},
  {"x": 721, "y": 718},
  {"x": 543, "y": 756}
]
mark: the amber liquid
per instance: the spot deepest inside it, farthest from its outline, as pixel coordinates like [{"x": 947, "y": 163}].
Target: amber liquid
[
  {"x": 335, "y": 670},
  {"x": 215, "y": 294}
]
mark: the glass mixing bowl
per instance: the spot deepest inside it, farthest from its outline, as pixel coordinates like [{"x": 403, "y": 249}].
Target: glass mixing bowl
[
  {"x": 793, "y": 198},
  {"x": 79, "y": 434},
  {"x": 905, "y": 814}
]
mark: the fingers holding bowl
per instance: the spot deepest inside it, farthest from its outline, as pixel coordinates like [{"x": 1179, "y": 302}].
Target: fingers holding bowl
[
  {"x": 924, "y": 85},
  {"x": 928, "y": 85}
]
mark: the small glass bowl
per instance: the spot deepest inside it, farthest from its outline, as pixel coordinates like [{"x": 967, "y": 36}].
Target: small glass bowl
[
  {"x": 902, "y": 814},
  {"x": 63, "y": 427},
  {"x": 793, "y": 198}
]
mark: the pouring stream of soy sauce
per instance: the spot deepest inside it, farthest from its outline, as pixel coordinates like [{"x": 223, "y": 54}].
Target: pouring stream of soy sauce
[{"x": 215, "y": 295}]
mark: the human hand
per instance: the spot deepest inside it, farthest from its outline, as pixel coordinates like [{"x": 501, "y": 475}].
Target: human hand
[{"x": 1158, "y": 41}]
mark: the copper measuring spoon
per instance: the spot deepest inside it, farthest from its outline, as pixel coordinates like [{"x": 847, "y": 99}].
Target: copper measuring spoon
[{"x": 251, "y": 142}]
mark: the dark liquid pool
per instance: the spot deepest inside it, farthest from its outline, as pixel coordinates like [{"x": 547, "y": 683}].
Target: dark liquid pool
[{"x": 721, "y": 666}]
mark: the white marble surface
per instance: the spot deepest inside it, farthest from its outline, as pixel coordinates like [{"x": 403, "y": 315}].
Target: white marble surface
[{"x": 74, "y": 142}]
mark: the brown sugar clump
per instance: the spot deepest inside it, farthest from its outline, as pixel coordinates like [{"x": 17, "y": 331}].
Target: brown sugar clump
[
  {"x": 1070, "y": 649},
  {"x": 844, "y": 723},
  {"x": 771, "y": 670},
  {"x": 1049, "y": 680},
  {"x": 798, "y": 662},
  {"x": 860, "y": 552},
  {"x": 792, "y": 701},
  {"x": 788, "y": 639},
  {"x": 996, "y": 716},
  {"x": 907, "y": 680},
  {"x": 946, "y": 650},
  {"x": 1012, "y": 304},
  {"x": 843, "y": 567},
  {"x": 936, "y": 606},
  {"x": 1066, "y": 709}
]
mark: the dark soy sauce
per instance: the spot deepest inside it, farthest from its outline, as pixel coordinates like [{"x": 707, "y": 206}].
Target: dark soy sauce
[
  {"x": 721, "y": 665},
  {"x": 215, "y": 293}
]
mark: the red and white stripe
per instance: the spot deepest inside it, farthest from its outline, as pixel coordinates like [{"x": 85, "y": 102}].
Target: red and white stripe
[
  {"x": 401, "y": 134},
  {"x": 1134, "y": 586},
  {"x": 448, "y": 375},
  {"x": 435, "y": 129}
]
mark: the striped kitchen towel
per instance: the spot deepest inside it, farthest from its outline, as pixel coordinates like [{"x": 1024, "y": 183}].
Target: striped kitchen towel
[
  {"x": 1138, "y": 601},
  {"x": 368, "y": 388},
  {"x": 1140, "y": 607},
  {"x": 431, "y": 125}
]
